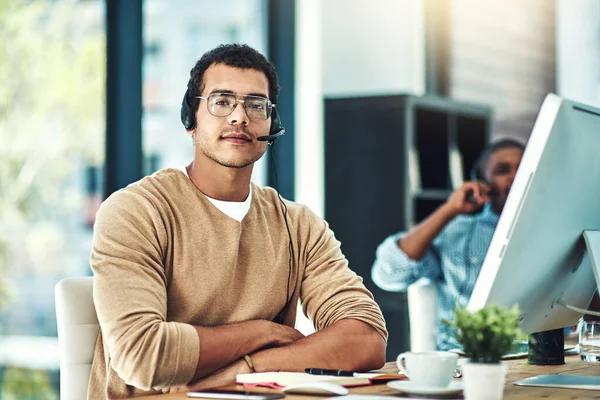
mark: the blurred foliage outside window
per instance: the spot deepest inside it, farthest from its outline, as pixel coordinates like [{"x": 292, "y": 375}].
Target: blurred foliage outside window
[{"x": 52, "y": 123}]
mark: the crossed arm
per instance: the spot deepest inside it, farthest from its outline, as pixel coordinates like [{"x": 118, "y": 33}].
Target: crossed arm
[
  {"x": 222, "y": 345},
  {"x": 347, "y": 344}
]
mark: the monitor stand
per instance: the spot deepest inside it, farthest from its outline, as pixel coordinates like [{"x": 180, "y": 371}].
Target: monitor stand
[{"x": 592, "y": 244}]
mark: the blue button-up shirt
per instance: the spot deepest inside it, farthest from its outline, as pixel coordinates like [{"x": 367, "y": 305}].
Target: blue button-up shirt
[{"x": 452, "y": 262}]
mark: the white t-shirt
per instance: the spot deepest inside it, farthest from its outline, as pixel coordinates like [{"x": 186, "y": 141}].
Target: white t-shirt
[{"x": 234, "y": 209}]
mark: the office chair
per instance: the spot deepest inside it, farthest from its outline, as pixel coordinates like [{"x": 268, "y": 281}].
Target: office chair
[
  {"x": 422, "y": 315},
  {"x": 77, "y": 334}
]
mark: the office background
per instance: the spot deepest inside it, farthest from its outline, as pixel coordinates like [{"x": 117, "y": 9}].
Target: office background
[{"x": 90, "y": 97}]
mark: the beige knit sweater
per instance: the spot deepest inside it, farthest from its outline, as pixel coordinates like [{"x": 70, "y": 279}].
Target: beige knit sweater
[{"x": 165, "y": 258}]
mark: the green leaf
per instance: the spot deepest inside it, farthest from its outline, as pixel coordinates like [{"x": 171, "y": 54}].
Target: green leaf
[{"x": 486, "y": 334}]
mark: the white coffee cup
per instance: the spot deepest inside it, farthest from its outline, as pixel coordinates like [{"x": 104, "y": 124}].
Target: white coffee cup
[{"x": 434, "y": 369}]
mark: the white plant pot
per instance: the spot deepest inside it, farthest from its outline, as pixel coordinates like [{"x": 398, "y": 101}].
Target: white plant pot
[{"x": 484, "y": 381}]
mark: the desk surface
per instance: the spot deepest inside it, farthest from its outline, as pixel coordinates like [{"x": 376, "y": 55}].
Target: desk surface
[{"x": 517, "y": 370}]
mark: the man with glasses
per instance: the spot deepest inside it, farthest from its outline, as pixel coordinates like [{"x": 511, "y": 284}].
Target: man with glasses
[{"x": 197, "y": 274}]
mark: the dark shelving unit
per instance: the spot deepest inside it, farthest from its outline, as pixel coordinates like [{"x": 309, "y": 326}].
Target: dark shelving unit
[{"x": 389, "y": 162}]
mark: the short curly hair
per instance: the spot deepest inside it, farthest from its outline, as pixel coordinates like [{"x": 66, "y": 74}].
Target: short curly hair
[{"x": 233, "y": 55}]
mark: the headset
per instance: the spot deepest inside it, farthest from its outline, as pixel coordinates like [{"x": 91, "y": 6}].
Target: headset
[
  {"x": 188, "y": 118},
  {"x": 189, "y": 106}
]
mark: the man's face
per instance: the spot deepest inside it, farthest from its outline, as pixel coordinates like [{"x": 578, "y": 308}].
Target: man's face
[
  {"x": 231, "y": 141},
  {"x": 499, "y": 171}
]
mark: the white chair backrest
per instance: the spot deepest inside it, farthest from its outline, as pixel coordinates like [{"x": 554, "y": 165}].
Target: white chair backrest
[
  {"x": 422, "y": 315},
  {"x": 77, "y": 334}
]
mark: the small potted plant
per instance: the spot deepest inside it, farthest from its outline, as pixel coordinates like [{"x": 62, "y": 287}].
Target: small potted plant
[{"x": 486, "y": 335}]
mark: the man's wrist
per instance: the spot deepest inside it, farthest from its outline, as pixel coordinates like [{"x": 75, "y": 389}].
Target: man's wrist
[
  {"x": 447, "y": 211},
  {"x": 249, "y": 363}
]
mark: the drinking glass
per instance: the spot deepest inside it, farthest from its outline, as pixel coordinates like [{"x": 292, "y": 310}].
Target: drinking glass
[{"x": 589, "y": 340}]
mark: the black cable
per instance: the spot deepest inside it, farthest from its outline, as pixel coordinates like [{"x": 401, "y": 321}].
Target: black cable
[{"x": 279, "y": 317}]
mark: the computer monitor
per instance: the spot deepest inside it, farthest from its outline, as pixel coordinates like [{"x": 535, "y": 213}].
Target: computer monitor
[{"x": 539, "y": 256}]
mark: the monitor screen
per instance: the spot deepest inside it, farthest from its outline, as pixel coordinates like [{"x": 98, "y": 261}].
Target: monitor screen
[{"x": 538, "y": 256}]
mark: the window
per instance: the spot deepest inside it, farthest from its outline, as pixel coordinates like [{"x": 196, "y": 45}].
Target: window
[
  {"x": 176, "y": 34},
  {"x": 51, "y": 151}
]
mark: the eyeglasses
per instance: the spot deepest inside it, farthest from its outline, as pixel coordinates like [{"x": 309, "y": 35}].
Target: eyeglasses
[{"x": 222, "y": 104}]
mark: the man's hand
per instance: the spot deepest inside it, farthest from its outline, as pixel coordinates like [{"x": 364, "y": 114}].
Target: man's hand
[
  {"x": 280, "y": 335},
  {"x": 347, "y": 344},
  {"x": 468, "y": 198},
  {"x": 223, "y": 345},
  {"x": 284, "y": 335}
]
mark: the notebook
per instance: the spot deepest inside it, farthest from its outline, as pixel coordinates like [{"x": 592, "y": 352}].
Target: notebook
[{"x": 281, "y": 379}]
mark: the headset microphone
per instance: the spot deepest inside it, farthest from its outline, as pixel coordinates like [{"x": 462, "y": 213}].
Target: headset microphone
[
  {"x": 276, "y": 128},
  {"x": 270, "y": 138}
]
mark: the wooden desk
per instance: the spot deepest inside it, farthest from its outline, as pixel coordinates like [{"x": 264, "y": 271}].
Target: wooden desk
[{"x": 517, "y": 370}]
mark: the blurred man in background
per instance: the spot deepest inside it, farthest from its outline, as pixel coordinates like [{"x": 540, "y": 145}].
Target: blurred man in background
[{"x": 450, "y": 245}]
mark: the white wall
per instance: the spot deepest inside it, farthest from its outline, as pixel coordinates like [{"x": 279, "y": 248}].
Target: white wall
[
  {"x": 309, "y": 168},
  {"x": 578, "y": 50},
  {"x": 373, "y": 47},
  {"x": 183, "y": 31},
  {"x": 349, "y": 48},
  {"x": 503, "y": 55}
]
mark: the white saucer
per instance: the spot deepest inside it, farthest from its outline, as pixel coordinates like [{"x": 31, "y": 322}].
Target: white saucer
[{"x": 412, "y": 388}]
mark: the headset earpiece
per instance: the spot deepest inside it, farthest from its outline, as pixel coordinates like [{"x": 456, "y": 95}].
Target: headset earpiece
[
  {"x": 188, "y": 112},
  {"x": 475, "y": 173},
  {"x": 276, "y": 128}
]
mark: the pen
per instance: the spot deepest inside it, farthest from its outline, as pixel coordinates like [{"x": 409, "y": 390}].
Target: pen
[{"x": 333, "y": 372}]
